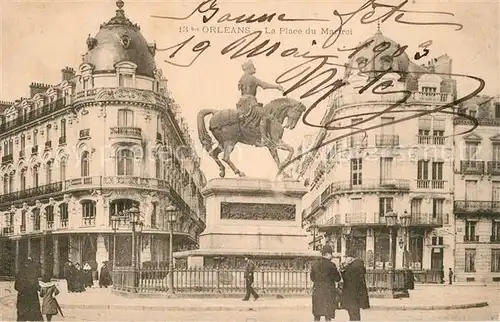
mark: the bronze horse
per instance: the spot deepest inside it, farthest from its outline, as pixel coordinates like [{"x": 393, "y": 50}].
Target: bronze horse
[{"x": 228, "y": 129}]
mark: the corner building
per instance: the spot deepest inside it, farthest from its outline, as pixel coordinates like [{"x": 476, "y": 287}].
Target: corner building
[
  {"x": 105, "y": 139},
  {"x": 402, "y": 171}
]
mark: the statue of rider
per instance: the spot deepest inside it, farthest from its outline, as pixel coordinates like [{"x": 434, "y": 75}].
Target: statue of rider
[{"x": 250, "y": 110}]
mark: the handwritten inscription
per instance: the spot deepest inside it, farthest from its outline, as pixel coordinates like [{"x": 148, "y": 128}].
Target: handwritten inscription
[{"x": 318, "y": 73}]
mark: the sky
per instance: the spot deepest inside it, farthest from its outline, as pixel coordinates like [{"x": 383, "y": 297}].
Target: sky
[{"x": 39, "y": 38}]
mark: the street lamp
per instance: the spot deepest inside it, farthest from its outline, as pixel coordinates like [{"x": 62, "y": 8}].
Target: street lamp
[
  {"x": 346, "y": 232},
  {"x": 405, "y": 219},
  {"x": 115, "y": 223},
  {"x": 137, "y": 225},
  {"x": 171, "y": 218},
  {"x": 391, "y": 219}
]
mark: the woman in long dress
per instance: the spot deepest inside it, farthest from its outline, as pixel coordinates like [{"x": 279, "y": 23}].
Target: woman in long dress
[
  {"x": 49, "y": 291},
  {"x": 26, "y": 285}
]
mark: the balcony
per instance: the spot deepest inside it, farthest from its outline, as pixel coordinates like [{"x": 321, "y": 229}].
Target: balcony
[
  {"x": 476, "y": 206},
  {"x": 494, "y": 168},
  {"x": 386, "y": 140},
  {"x": 126, "y": 132},
  {"x": 84, "y": 134},
  {"x": 62, "y": 140},
  {"x": 88, "y": 221},
  {"x": 6, "y": 159},
  {"x": 364, "y": 219},
  {"x": 357, "y": 142},
  {"x": 32, "y": 192},
  {"x": 64, "y": 223},
  {"x": 472, "y": 167},
  {"x": 471, "y": 239},
  {"x": 48, "y": 145},
  {"x": 426, "y": 220},
  {"x": 430, "y": 139},
  {"x": 7, "y": 231},
  {"x": 430, "y": 184},
  {"x": 50, "y": 225},
  {"x": 34, "y": 150},
  {"x": 34, "y": 115},
  {"x": 495, "y": 239}
]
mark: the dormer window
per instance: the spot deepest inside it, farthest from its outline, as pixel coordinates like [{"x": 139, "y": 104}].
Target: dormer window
[
  {"x": 85, "y": 83},
  {"x": 472, "y": 113},
  {"x": 126, "y": 80},
  {"x": 86, "y": 78},
  {"x": 125, "y": 72}
]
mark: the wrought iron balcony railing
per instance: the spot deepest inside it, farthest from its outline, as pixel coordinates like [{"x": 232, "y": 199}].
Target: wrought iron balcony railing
[
  {"x": 6, "y": 159},
  {"x": 472, "y": 167},
  {"x": 476, "y": 206},
  {"x": 494, "y": 168},
  {"x": 32, "y": 192},
  {"x": 126, "y": 131},
  {"x": 386, "y": 140},
  {"x": 419, "y": 219},
  {"x": 430, "y": 184},
  {"x": 431, "y": 139},
  {"x": 471, "y": 238}
]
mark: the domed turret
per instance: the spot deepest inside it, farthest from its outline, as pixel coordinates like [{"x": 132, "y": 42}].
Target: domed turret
[
  {"x": 120, "y": 40},
  {"x": 376, "y": 57}
]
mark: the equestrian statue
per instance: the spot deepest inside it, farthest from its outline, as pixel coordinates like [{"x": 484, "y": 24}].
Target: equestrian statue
[{"x": 252, "y": 123}]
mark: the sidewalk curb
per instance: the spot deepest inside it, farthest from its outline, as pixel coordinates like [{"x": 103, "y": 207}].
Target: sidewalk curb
[{"x": 262, "y": 308}]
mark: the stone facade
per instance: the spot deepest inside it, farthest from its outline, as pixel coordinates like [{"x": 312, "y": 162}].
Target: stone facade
[{"x": 80, "y": 152}]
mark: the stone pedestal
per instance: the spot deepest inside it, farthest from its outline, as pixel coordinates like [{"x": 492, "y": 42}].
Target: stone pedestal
[{"x": 251, "y": 217}]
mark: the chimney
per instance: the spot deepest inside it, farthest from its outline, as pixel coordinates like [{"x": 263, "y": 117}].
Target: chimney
[
  {"x": 67, "y": 73},
  {"x": 36, "y": 88}
]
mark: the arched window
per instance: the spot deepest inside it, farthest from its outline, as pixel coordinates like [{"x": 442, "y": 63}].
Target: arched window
[
  {"x": 62, "y": 170},
  {"x": 85, "y": 164},
  {"x": 22, "y": 179},
  {"x": 48, "y": 173},
  {"x": 63, "y": 131},
  {"x": 63, "y": 210},
  {"x": 88, "y": 212},
  {"x": 36, "y": 179},
  {"x": 117, "y": 206},
  {"x": 36, "y": 219},
  {"x": 48, "y": 132},
  {"x": 125, "y": 163},
  {"x": 49, "y": 215}
]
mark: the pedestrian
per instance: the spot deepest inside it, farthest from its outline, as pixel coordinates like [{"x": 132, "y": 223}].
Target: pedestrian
[
  {"x": 26, "y": 285},
  {"x": 78, "y": 279},
  {"x": 48, "y": 291},
  {"x": 450, "y": 276},
  {"x": 87, "y": 273},
  {"x": 354, "y": 291},
  {"x": 68, "y": 274},
  {"x": 441, "y": 275},
  {"x": 249, "y": 271},
  {"x": 105, "y": 279},
  {"x": 324, "y": 275}
]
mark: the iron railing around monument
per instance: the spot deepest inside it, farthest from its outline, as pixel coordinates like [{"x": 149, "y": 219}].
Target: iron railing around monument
[{"x": 232, "y": 282}]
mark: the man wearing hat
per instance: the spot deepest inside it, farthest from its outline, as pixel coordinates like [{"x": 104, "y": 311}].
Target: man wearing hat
[
  {"x": 354, "y": 291},
  {"x": 324, "y": 275},
  {"x": 249, "y": 109}
]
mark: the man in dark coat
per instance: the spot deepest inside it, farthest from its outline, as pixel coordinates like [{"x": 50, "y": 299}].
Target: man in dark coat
[
  {"x": 26, "y": 285},
  {"x": 249, "y": 270},
  {"x": 324, "y": 275},
  {"x": 105, "y": 279},
  {"x": 68, "y": 274},
  {"x": 354, "y": 291}
]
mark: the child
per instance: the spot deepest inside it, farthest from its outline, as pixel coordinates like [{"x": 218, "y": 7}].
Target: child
[{"x": 48, "y": 291}]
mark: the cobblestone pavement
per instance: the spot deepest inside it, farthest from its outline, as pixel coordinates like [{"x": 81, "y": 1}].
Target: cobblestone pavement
[{"x": 479, "y": 314}]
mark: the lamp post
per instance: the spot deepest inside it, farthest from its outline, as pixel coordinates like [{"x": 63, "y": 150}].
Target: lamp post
[
  {"x": 115, "y": 223},
  {"x": 391, "y": 219},
  {"x": 346, "y": 233},
  {"x": 405, "y": 219},
  {"x": 172, "y": 218},
  {"x": 137, "y": 224}
]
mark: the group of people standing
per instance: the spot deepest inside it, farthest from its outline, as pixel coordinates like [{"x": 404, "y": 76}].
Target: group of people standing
[
  {"x": 334, "y": 289},
  {"x": 79, "y": 278}
]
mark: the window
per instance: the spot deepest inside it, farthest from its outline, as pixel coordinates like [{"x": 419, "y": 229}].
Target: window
[
  {"x": 497, "y": 110},
  {"x": 470, "y": 230},
  {"x": 385, "y": 170},
  {"x": 22, "y": 179},
  {"x": 126, "y": 80},
  {"x": 63, "y": 210},
  {"x": 6, "y": 184},
  {"x": 85, "y": 164},
  {"x": 153, "y": 215},
  {"x": 48, "y": 173},
  {"x": 496, "y": 152},
  {"x": 437, "y": 208},
  {"x": 48, "y": 132},
  {"x": 416, "y": 207},
  {"x": 35, "y": 173},
  {"x": 495, "y": 260},
  {"x": 423, "y": 170},
  {"x": 11, "y": 181},
  {"x": 86, "y": 83},
  {"x": 437, "y": 241},
  {"x": 470, "y": 260},
  {"x": 63, "y": 128},
  {"x": 125, "y": 163},
  {"x": 35, "y": 138},
  {"x": 356, "y": 139},
  {"x": 125, "y": 117},
  {"x": 437, "y": 170},
  {"x": 88, "y": 210},
  {"x": 472, "y": 113},
  {"x": 5, "y": 148},
  {"x": 471, "y": 150},
  {"x": 23, "y": 220},
  {"x": 62, "y": 170},
  {"x": 385, "y": 206},
  {"x": 23, "y": 143},
  {"x": 36, "y": 219},
  {"x": 356, "y": 171},
  {"x": 416, "y": 250},
  {"x": 49, "y": 215},
  {"x": 157, "y": 167},
  {"x": 495, "y": 229},
  {"x": 428, "y": 89}
]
